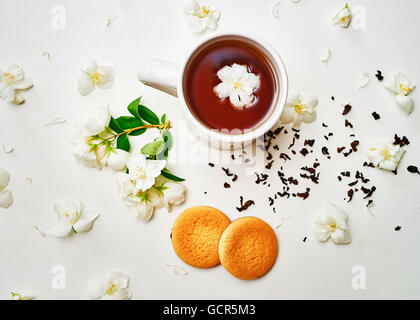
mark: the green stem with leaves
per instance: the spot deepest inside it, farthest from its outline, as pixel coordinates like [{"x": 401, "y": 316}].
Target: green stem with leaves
[{"x": 164, "y": 127}]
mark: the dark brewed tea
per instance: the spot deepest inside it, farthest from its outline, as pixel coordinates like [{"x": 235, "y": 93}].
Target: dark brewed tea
[{"x": 201, "y": 77}]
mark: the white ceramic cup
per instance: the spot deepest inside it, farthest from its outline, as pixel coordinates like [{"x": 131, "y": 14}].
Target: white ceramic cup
[{"x": 169, "y": 77}]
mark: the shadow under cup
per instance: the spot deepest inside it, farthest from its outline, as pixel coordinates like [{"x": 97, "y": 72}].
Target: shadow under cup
[{"x": 200, "y": 77}]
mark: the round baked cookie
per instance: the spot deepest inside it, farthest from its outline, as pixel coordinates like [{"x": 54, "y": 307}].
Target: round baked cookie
[
  {"x": 196, "y": 234},
  {"x": 248, "y": 248}
]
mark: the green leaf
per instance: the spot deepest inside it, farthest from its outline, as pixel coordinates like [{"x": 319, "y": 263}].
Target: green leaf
[
  {"x": 163, "y": 119},
  {"x": 154, "y": 147},
  {"x": 167, "y": 137},
  {"x": 113, "y": 124},
  {"x": 143, "y": 196},
  {"x": 127, "y": 122},
  {"x": 162, "y": 187},
  {"x": 148, "y": 115},
  {"x": 123, "y": 143},
  {"x": 133, "y": 108},
  {"x": 169, "y": 175}
]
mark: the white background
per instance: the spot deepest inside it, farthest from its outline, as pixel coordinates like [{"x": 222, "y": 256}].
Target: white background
[{"x": 158, "y": 29}]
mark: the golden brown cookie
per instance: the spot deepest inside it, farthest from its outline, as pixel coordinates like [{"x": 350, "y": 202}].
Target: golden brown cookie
[
  {"x": 248, "y": 248},
  {"x": 196, "y": 234}
]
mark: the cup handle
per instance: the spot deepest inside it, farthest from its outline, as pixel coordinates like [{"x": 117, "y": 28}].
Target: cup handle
[{"x": 159, "y": 74}]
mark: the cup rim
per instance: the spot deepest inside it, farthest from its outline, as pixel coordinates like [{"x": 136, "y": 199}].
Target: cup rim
[{"x": 278, "y": 108}]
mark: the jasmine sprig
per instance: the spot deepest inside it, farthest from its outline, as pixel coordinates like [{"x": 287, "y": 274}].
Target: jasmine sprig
[{"x": 142, "y": 119}]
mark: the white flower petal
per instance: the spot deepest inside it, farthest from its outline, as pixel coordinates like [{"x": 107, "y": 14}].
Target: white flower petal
[
  {"x": 98, "y": 121},
  {"x": 6, "y": 199},
  {"x": 387, "y": 165},
  {"x": 293, "y": 98},
  {"x": 6, "y": 148},
  {"x": 54, "y": 121},
  {"x": 364, "y": 80},
  {"x": 405, "y": 102},
  {"x": 41, "y": 232},
  {"x": 326, "y": 55},
  {"x": 403, "y": 84},
  {"x": 144, "y": 210},
  {"x": 235, "y": 99},
  {"x": 281, "y": 221},
  {"x": 97, "y": 290},
  {"x": 119, "y": 278},
  {"x": 123, "y": 294},
  {"x": 108, "y": 77},
  {"x": 369, "y": 208},
  {"x": 25, "y": 83},
  {"x": 136, "y": 160},
  {"x": 215, "y": 13},
  {"x": 47, "y": 54},
  {"x": 223, "y": 90},
  {"x": 59, "y": 210},
  {"x": 299, "y": 108},
  {"x": 155, "y": 197},
  {"x": 59, "y": 230},
  {"x": 175, "y": 269},
  {"x": 85, "y": 85},
  {"x": 339, "y": 215},
  {"x": 390, "y": 85},
  {"x": 310, "y": 100},
  {"x": 245, "y": 97},
  {"x": 374, "y": 157},
  {"x": 196, "y": 24},
  {"x": 82, "y": 151},
  {"x": 288, "y": 115},
  {"x": 275, "y": 11},
  {"x": 89, "y": 66},
  {"x": 211, "y": 22},
  {"x": 71, "y": 206},
  {"x": 4, "y": 178},
  {"x": 321, "y": 233},
  {"x": 343, "y": 17},
  {"x": 125, "y": 185},
  {"x": 7, "y": 93},
  {"x": 85, "y": 222},
  {"x": 192, "y": 7},
  {"x": 341, "y": 236},
  {"x": 117, "y": 159},
  {"x": 225, "y": 74},
  {"x": 174, "y": 194},
  {"x": 238, "y": 70},
  {"x": 392, "y": 164},
  {"x": 385, "y": 155},
  {"x": 332, "y": 224},
  {"x": 154, "y": 167},
  {"x": 17, "y": 72},
  {"x": 308, "y": 117},
  {"x": 114, "y": 287},
  {"x": 252, "y": 81},
  {"x": 238, "y": 84}
]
